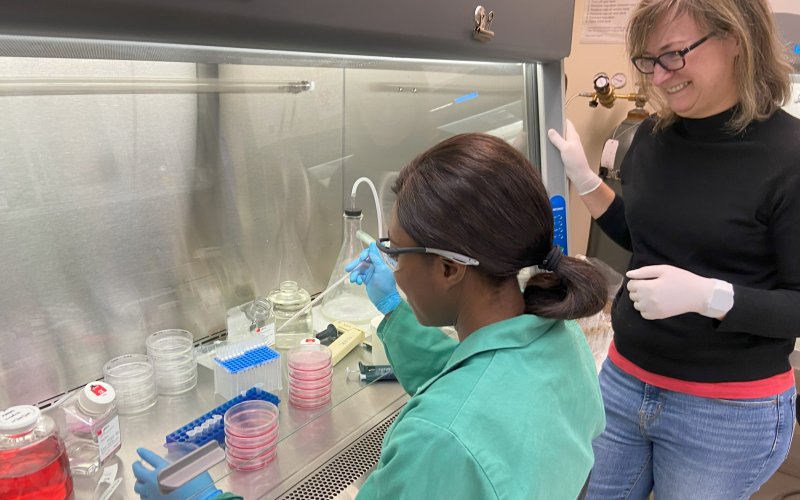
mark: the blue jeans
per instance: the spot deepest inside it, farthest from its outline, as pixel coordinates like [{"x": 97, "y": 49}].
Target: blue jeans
[{"x": 685, "y": 447}]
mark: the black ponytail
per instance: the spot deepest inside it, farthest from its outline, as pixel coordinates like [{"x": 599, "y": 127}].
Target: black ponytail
[{"x": 575, "y": 289}]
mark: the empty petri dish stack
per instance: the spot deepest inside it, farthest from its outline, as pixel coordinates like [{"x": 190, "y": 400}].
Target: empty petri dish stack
[
  {"x": 172, "y": 354},
  {"x": 134, "y": 380},
  {"x": 251, "y": 434},
  {"x": 310, "y": 374}
]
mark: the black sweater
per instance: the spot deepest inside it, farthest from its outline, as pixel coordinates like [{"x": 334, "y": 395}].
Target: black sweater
[{"x": 721, "y": 206}]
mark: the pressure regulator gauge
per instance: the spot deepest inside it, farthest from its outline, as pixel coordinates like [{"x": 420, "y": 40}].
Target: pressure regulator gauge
[
  {"x": 601, "y": 81},
  {"x": 619, "y": 80}
]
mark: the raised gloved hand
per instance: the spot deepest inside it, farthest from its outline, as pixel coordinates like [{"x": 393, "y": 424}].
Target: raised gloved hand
[
  {"x": 200, "y": 488},
  {"x": 663, "y": 291},
  {"x": 575, "y": 164},
  {"x": 370, "y": 269}
]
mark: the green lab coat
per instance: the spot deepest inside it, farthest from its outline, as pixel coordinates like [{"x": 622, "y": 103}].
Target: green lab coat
[{"x": 508, "y": 413}]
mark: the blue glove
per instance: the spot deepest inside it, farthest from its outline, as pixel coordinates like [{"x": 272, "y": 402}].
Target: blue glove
[
  {"x": 370, "y": 269},
  {"x": 200, "y": 488}
]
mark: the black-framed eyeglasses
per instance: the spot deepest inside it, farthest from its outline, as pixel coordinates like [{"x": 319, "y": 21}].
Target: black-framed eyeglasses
[
  {"x": 670, "y": 61},
  {"x": 390, "y": 253}
]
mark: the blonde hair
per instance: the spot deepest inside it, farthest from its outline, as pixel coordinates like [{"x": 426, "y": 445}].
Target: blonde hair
[{"x": 761, "y": 69}]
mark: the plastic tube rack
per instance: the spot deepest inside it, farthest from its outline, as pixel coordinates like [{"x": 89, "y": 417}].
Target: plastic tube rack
[{"x": 213, "y": 421}]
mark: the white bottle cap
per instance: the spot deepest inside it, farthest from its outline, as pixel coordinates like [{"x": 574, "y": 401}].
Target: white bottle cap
[
  {"x": 19, "y": 419},
  {"x": 96, "y": 398}
]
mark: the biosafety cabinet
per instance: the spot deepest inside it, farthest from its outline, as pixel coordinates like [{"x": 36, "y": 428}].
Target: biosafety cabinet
[{"x": 161, "y": 162}]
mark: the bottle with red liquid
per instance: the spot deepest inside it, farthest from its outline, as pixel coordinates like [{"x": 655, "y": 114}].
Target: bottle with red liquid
[{"x": 33, "y": 458}]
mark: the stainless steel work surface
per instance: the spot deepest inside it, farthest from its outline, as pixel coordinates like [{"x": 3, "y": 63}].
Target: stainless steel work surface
[{"x": 307, "y": 437}]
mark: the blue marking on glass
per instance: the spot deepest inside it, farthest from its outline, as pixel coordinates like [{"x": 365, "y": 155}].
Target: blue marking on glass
[
  {"x": 797, "y": 48},
  {"x": 465, "y": 97}
]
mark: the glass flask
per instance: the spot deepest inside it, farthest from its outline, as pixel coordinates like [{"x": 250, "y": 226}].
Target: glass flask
[
  {"x": 348, "y": 301},
  {"x": 286, "y": 301},
  {"x": 252, "y": 318},
  {"x": 91, "y": 428},
  {"x": 33, "y": 458}
]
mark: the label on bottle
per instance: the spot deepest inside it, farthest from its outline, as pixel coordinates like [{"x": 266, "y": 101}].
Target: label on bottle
[
  {"x": 108, "y": 438},
  {"x": 268, "y": 332}
]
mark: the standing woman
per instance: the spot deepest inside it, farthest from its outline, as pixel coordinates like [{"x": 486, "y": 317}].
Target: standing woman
[
  {"x": 510, "y": 409},
  {"x": 698, "y": 390}
]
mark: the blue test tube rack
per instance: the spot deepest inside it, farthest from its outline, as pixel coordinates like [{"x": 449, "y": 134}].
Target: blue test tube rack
[{"x": 215, "y": 429}]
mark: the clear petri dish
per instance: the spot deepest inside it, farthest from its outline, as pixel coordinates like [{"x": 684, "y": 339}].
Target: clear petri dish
[
  {"x": 128, "y": 368},
  {"x": 136, "y": 402},
  {"x": 172, "y": 386},
  {"x": 245, "y": 464},
  {"x": 309, "y": 357},
  {"x": 310, "y": 385},
  {"x": 252, "y": 454},
  {"x": 172, "y": 355},
  {"x": 250, "y": 447},
  {"x": 310, "y": 393},
  {"x": 252, "y": 441},
  {"x": 306, "y": 403},
  {"x": 309, "y": 375},
  {"x": 251, "y": 418},
  {"x": 170, "y": 343},
  {"x": 133, "y": 378},
  {"x": 177, "y": 372}
]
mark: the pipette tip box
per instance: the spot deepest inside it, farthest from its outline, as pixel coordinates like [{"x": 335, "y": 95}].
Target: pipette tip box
[{"x": 246, "y": 364}]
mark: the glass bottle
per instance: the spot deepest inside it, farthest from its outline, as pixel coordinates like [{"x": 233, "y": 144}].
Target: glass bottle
[
  {"x": 91, "y": 428},
  {"x": 262, "y": 321},
  {"x": 33, "y": 458},
  {"x": 348, "y": 301},
  {"x": 286, "y": 301},
  {"x": 251, "y": 318}
]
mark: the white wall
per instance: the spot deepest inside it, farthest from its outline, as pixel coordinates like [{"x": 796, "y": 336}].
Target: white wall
[{"x": 593, "y": 125}]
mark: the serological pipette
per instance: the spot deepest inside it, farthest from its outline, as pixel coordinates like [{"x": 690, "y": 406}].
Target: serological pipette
[{"x": 366, "y": 239}]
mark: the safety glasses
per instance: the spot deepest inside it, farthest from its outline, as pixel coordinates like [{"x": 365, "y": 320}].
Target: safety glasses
[{"x": 390, "y": 253}]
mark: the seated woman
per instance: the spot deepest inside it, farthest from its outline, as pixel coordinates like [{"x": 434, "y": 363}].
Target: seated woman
[{"x": 511, "y": 408}]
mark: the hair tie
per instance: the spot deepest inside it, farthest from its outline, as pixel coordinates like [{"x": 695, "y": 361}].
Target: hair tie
[{"x": 553, "y": 259}]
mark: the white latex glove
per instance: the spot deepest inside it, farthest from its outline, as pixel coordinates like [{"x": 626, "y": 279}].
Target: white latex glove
[
  {"x": 660, "y": 292},
  {"x": 577, "y": 167}
]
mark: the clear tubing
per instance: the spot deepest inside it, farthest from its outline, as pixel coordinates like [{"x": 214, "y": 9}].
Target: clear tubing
[{"x": 374, "y": 196}]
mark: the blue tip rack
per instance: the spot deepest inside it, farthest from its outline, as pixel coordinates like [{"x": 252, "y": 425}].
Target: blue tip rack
[
  {"x": 210, "y": 425},
  {"x": 245, "y": 364}
]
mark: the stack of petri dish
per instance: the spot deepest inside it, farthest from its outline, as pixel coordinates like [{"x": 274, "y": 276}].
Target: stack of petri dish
[
  {"x": 134, "y": 380},
  {"x": 172, "y": 354},
  {"x": 251, "y": 434},
  {"x": 310, "y": 374}
]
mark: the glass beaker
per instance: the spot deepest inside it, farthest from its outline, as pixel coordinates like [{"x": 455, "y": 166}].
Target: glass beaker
[
  {"x": 286, "y": 301},
  {"x": 348, "y": 301}
]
